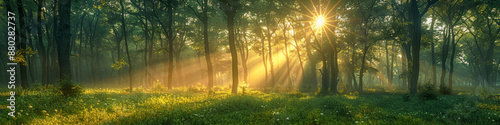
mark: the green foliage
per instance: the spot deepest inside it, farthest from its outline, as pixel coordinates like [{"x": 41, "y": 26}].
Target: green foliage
[
  {"x": 119, "y": 64},
  {"x": 356, "y": 93},
  {"x": 463, "y": 111},
  {"x": 243, "y": 87},
  {"x": 197, "y": 89},
  {"x": 37, "y": 85},
  {"x": 69, "y": 89},
  {"x": 296, "y": 94},
  {"x": 427, "y": 91},
  {"x": 21, "y": 55},
  {"x": 343, "y": 89},
  {"x": 179, "y": 106},
  {"x": 158, "y": 86}
]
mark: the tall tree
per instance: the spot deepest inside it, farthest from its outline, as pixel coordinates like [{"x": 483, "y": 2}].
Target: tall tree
[
  {"x": 203, "y": 16},
  {"x": 41, "y": 47},
  {"x": 126, "y": 45},
  {"x": 63, "y": 39},
  {"x": 229, "y": 7},
  {"x": 22, "y": 43}
]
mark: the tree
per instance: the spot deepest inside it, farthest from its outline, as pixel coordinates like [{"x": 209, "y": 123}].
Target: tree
[
  {"x": 411, "y": 50},
  {"x": 229, "y": 7},
  {"x": 203, "y": 16},
  {"x": 41, "y": 47},
  {"x": 485, "y": 30},
  {"x": 126, "y": 46},
  {"x": 63, "y": 39},
  {"x": 450, "y": 12}
]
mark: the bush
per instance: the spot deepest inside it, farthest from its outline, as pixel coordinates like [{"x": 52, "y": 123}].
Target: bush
[
  {"x": 158, "y": 86},
  {"x": 428, "y": 91},
  {"x": 296, "y": 94},
  {"x": 343, "y": 89},
  {"x": 69, "y": 89},
  {"x": 444, "y": 90}
]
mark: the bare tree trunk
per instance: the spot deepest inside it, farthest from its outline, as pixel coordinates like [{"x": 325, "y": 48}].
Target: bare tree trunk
[
  {"x": 404, "y": 66},
  {"x": 361, "y": 71},
  {"x": 334, "y": 69},
  {"x": 312, "y": 75},
  {"x": 287, "y": 58},
  {"x": 444, "y": 54},
  {"x": 388, "y": 66},
  {"x": 63, "y": 40},
  {"x": 126, "y": 46},
  {"x": 433, "y": 56},
  {"x": 22, "y": 43},
  {"x": 207, "y": 46},
  {"x": 40, "y": 45},
  {"x": 269, "y": 46}
]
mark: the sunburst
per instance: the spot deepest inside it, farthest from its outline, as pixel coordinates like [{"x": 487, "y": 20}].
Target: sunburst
[{"x": 322, "y": 17}]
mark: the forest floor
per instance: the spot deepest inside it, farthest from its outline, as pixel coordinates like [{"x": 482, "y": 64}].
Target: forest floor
[{"x": 184, "y": 106}]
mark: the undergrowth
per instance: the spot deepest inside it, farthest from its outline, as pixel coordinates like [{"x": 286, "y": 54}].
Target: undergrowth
[{"x": 183, "y": 106}]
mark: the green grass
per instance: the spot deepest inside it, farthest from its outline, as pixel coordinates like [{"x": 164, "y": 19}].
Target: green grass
[{"x": 180, "y": 106}]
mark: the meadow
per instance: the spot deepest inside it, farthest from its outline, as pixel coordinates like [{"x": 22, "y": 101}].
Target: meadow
[{"x": 192, "y": 105}]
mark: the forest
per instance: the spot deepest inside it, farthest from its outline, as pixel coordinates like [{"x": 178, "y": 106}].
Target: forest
[{"x": 250, "y": 62}]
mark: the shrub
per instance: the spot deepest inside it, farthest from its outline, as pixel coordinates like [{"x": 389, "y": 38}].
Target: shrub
[
  {"x": 158, "y": 86},
  {"x": 243, "y": 86},
  {"x": 37, "y": 85},
  {"x": 296, "y": 94},
  {"x": 217, "y": 88},
  {"x": 69, "y": 89},
  {"x": 428, "y": 91},
  {"x": 444, "y": 90},
  {"x": 343, "y": 89}
]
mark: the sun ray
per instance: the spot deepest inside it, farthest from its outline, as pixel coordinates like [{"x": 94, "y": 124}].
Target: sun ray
[
  {"x": 333, "y": 8},
  {"x": 307, "y": 10}
]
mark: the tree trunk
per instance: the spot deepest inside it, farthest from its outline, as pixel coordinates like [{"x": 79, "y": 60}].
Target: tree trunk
[
  {"x": 269, "y": 46},
  {"x": 433, "y": 56},
  {"x": 334, "y": 69},
  {"x": 232, "y": 47},
  {"x": 388, "y": 66},
  {"x": 126, "y": 46},
  {"x": 444, "y": 55},
  {"x": 22, "y": 43},
  {"x": 415, "y": 35},
  {"x": 361, "y": 71},
  {"x": 178, "y": 68},
  {"x": 170, "y": 37},
  {"x": 63, "y": 39},
  {"x": 207, "y": 49},
  {"x": 312, "y": 73},
  {"x": 287, "y": 59},
  {"x": 452, "y": 59},
  {"x": 404, "y": 66},
  {"x": 265, "y": 62},
  {"x": 40, "y": 45},
  {"x": 324, "y": 73}
]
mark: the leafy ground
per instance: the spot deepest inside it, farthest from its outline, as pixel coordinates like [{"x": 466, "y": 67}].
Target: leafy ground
[{"x": 183, "y": 106}]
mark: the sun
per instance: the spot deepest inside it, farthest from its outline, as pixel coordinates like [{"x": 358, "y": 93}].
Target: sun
[
  {"x": 320, "y": 22},
  {"x": 321, "y": 17}
]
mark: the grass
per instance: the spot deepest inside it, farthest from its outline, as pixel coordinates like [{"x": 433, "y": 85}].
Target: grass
[{"x": 181, "y": 106}]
